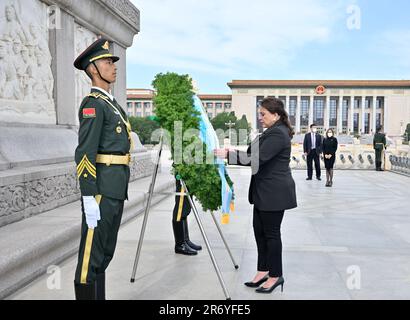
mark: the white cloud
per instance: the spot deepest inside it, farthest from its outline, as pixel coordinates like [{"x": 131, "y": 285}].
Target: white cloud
[{"x": 230, "y": 37}]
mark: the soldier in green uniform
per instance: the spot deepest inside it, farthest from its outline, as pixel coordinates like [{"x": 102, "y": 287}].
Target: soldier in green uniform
[
  {"x": 102, "y": 157},
  {"x": 379, "y": 145}
]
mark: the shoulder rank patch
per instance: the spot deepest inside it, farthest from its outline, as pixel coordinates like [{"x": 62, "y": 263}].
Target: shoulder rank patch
[
  {"x": 94, "y": 95},
  {"x": 89, "y": 113}
]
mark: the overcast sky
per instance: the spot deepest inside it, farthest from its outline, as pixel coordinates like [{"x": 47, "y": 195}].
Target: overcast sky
[{"x": 216, "y": 41}]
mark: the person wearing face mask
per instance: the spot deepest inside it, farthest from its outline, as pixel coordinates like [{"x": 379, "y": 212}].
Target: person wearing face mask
[
  {"x": 330, "y": 145},
  {"x": 272, "y": 190},
  {"x": 312, "y": 147}
]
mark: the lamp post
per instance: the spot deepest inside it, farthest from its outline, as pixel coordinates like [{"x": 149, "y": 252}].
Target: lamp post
[{"x": 230, "y": 125}]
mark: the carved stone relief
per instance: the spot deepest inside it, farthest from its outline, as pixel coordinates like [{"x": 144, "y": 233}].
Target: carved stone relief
[
  {"x": 36, "y": 196},
  {"x": 26, "y": 80}
]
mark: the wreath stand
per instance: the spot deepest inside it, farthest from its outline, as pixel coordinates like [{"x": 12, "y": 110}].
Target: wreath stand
[{"x": 198, "y": 220}]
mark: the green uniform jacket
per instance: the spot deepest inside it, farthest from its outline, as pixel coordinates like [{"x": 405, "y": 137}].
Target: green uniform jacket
[
  {"x": 102, "y": 131},
  {"x": 379, "y": 141}
]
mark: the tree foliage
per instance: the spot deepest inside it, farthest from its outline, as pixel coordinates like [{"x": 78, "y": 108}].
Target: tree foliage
[
  {"x": 241, "y": 127},
  {"x": 144, "y": 127},
  {"x": 174, "y": 103},
  {"x": 407, "y": 133}
]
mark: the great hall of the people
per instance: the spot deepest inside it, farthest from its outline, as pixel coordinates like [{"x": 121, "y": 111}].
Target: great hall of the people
[{"x": 347, "y": 106}]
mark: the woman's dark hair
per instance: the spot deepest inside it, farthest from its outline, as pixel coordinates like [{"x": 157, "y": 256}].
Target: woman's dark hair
[
  {"x": 330, "y": 130},
  {"x": 274, "y": 105}
]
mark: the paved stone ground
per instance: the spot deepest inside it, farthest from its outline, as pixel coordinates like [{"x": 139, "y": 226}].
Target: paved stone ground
[{"x": 362, "y": 225}]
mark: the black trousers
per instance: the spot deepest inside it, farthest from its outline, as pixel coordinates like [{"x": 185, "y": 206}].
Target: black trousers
[
  {"x": 97, "y": 246},
  {"x": 266, "y": 225},
  {"x": 313, "y": 156}
]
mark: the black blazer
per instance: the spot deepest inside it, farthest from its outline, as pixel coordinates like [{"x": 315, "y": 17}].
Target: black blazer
[
  {"x": 272, "y": 186},
  {"x": 307, "y": 144}
]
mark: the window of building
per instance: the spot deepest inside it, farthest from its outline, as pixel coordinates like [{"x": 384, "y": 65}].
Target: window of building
[
  {"x": 318, "y": 111},
  {"x": 367, "y": 123},
  {"x": 283, "y": 99},
  {"x": 356, "y": 123},
  {"x": 292, "y": 111},
  {"x": 356, "y": 103},
  {"x": 147, "y": 105},
  {"x": 139, "y": 114},
  {"x": 378, "y": 119},
  {"x": 227, "y": 105},
  {"x": 210, "y": 115},
  {"x": 368, "y": 104},
  {"x": 218, "y": 105},
  {"x": 345, "y": 112},
  {"x": 333, "y": 113},
  {"x": 259, "y": 100},
  {"x": 304, "y": 112},
  {"x": 129, "y": 105},
  {"x": 209, "y": 105},
  {"x": 138, "y": 105},
  {"x": 380, "y": 103}
]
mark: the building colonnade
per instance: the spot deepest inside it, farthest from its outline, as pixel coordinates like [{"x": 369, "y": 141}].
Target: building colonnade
[{"x": 344, "y": 114}]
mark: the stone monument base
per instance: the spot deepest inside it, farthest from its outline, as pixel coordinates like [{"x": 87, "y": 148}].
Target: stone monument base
[{"x": 38, "y": 172}]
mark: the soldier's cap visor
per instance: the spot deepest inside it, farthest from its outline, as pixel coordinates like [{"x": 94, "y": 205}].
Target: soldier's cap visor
[{"x": 98, "y": 50}]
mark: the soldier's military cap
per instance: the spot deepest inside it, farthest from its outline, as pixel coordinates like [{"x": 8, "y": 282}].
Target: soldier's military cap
[{"x": 100, "y": 49}]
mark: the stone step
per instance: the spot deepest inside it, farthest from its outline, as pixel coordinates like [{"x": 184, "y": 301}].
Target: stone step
[{"x": 30, "y": 246}]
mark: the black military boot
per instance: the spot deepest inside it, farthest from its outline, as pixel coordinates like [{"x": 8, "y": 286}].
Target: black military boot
[
  {"x": 181, "y": 247},
  {"x": 101, "y": 286},
  {"x": 186, "y": 236},
  {"x": 85, "y": 291}
]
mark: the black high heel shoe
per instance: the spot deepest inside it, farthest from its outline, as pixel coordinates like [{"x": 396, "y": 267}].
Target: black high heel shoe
[
  {"x": 256, "y": 284},
  {"x": 278, "y": 283}
]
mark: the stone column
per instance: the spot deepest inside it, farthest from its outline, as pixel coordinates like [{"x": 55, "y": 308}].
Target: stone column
[
  {"x": 340, "y": 116},
  {"x": 298, "y": 109},
  {"x": 351, "y": 115},
  {"x": 63, "y": 70},
  {"x": 311, "y": 105},
  {"x": 385, "y": 117},
  {"x": 119, "y": 89},
  {"x": 374, "y": 113},
  {"x": 327, "y": 113},
  {"x": 362, "y": 114},
  {"x": 287, "y": 105}
]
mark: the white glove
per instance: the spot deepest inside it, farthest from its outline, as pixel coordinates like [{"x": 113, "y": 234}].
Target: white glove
[{"x": 92, "y": 211}]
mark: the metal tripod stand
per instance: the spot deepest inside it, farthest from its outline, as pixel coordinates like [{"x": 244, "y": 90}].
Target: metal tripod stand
[{"x": 198, "y": 219}]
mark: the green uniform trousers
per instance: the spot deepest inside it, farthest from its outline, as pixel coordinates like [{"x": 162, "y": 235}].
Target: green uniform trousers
[
  {"x": 182, "y": 207},
  {"x": 379, "y": 155},
  {"x": 97, "y": 246}
]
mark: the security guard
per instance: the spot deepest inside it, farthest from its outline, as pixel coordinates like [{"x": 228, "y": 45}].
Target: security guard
[
  {"x": 379, "y": 145},
  {"x": 182, "y": 209},
  {"x": 102, "y": 157}
]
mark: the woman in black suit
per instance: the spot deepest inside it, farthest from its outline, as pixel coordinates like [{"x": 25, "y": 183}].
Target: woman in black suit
[
  {"x": 330, "y": 145},
  {"x": 272, "y": 190}
]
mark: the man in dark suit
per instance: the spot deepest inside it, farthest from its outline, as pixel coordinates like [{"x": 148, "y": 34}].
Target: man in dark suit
[{"x": 312, "y": 147}]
